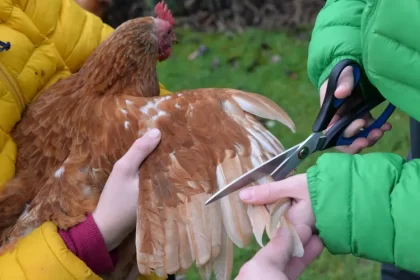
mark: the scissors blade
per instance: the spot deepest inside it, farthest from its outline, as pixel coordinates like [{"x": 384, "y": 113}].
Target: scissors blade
[
  {"x": 277, "y": 167},
  {"x": 251, "y": 176}
]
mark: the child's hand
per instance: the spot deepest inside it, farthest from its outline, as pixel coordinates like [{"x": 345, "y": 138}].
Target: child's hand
[
  {"x": 295, "y": 187},
  {"x": 275, "y": 260},
  {"x": 116, "y": 212},
  {"x": 344, "y": 89}
]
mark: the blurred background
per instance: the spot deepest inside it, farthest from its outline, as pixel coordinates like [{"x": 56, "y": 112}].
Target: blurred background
[{"x": 259, "y": 46}]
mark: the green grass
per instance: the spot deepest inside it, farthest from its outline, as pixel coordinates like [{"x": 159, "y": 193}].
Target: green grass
[{"x": 288, "y": 85}]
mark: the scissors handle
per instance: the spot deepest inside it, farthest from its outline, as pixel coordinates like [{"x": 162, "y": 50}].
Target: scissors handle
[
  {"x": 334, "y": 136},
  {"x": 331, "y": 103}
]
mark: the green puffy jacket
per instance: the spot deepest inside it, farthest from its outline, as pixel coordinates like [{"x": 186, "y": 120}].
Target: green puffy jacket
[{"x": 367, "y": 205}]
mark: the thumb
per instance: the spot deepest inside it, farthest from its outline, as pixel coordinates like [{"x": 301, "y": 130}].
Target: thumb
[
  {"x": 142, "y": 147},
  {"x": 345, "y": 83},
  {"x": 278, "y": 251}
]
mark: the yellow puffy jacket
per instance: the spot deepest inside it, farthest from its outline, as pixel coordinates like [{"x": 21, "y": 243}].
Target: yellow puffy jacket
[{"x": 48, "y": 40}]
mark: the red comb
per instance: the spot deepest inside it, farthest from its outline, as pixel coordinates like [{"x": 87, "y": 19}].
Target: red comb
[{"x": 162, "y": 12}]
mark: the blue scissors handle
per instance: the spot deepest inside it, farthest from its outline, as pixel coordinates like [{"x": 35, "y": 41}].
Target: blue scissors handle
[{"x": 334, "y": 136}]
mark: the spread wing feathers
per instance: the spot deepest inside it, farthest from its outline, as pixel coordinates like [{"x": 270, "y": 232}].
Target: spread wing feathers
[{"x": 209, "y": 137}]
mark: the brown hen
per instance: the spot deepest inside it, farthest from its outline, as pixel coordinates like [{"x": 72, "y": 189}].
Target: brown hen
[{"x": 71, "y": 136}]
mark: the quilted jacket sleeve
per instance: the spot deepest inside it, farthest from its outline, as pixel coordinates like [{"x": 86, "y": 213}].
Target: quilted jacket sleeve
[
  {"x": 336, "y": 36},
  {"x": 43, "y": 255},
  {"x": 367, "y": 205},
  {"x": 75, "y": 42}
]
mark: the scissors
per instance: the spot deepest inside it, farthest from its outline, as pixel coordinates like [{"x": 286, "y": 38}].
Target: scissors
[{"x": 279, "y": 166}]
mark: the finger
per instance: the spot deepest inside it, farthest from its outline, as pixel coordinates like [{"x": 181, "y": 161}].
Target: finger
[
  {"x": 376, "y": 133},
  {"x": 141, "y": 148},
  {"x": 356, "y": 147},
  {"x": 294, "y": 187},
  {"x": 354, "y": 128},
  {"x": 334, "y": 119},
  {"x": 278, "y": 250},
  {"x": 370, "y": 120},
  {"x": 386, "y": 126},
  {"x": 296, "y": 266},
  {"x": 374, "y": 136},
  {"x": 361, "y": 143},
  {"x": 345, "y": 83}
]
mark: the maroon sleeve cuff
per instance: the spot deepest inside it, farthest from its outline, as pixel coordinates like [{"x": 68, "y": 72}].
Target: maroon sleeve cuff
[{"x": 86, "y": 242}]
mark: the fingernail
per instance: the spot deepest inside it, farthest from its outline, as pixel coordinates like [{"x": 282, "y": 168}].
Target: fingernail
[
  {"x": 154, "y": 133},
  {"x": 246, "y": 194}
]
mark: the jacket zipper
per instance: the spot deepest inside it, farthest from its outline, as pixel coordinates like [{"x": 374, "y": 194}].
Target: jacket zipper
[{"x": 12, "y": 87}]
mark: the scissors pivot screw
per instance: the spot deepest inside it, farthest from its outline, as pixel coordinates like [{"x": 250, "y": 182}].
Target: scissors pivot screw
[{"x": 303, "y": 153}]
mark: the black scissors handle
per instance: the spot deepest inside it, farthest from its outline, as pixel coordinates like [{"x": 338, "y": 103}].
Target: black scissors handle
[{"x": 334, "y": 136}]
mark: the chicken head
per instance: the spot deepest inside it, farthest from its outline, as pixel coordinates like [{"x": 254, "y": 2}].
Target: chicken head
[{"x": 166, "y": 34}]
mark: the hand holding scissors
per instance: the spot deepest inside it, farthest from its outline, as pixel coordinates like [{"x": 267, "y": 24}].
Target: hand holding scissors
[
  {"x": 345, "y": 88},
  {"x": 278, "y": 167}
]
